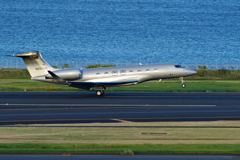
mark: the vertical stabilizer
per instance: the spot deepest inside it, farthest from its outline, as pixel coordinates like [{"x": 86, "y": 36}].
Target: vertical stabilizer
[{"x": 34, "y": 62}]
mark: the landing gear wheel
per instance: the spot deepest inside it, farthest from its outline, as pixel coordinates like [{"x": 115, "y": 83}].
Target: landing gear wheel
[
  {"x": 99, "y": 92},
  {"x": 181, "y": 79}
]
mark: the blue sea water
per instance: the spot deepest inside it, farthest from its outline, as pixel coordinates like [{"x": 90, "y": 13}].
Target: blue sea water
[{"x": 122, "y": 31}]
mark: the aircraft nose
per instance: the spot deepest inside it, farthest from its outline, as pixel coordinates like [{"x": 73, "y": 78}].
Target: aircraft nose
[{"x": 190, "y": 72}]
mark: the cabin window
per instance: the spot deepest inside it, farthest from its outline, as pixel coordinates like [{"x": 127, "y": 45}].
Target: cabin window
[
  {"x": 131, "y": 71},
  {"x": 122, "y": 72},
  {"x": 97, "y": 73},
  {"x": 155, "y": 70},
  {"x": 106, "y": 73},
  {"x": 147, "y": 70},
  {"x": 114, "y": 73},
  {"x": 139, "y": 70}
]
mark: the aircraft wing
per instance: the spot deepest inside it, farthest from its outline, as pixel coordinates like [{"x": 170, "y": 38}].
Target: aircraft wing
[{"x": 90, "y": 84}]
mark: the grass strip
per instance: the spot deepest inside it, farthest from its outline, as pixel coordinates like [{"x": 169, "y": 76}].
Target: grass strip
[
  {"x": 151, "y": 86},
  {"x": 220, "y": 80},
  {"x": 128, "y": 140},
  {"x": 120, "y": 148}
]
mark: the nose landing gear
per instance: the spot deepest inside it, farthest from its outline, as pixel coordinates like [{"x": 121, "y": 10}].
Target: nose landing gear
[{"x": 181, "y": 79}]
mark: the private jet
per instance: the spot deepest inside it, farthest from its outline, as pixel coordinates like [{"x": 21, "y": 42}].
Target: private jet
[{"x": 100, "y": 78}]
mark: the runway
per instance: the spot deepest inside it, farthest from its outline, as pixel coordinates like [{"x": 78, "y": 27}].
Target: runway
[
  {"x": 83, "y": 107},
  {"x": 115, "y": 157}
]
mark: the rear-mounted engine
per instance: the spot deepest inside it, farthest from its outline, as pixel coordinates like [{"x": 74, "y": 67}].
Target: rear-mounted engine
[{"x": 66, "y": 74}]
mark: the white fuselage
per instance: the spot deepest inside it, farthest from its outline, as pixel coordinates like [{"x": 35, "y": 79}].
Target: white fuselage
[
  {"x": 140, "y": 72},
  {"x": 117, "y": 76}
]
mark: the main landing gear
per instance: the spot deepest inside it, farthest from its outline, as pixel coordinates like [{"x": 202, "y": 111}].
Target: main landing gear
[
  {"x": 100, "y": 92},
  {"x": 181, "y": 79}
]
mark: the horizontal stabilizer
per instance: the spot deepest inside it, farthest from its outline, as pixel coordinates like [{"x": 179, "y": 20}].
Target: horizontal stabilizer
[
  {"x": 26, "y": 54},
  {"x": 16, "y": 55}
]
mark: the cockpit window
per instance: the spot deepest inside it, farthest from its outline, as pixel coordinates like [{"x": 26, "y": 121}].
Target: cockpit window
[{"x": 178, "y": 66}]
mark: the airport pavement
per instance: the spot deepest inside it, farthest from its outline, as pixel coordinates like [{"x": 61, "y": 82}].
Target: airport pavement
[
  {"x": 115, "y": 157},
  {"x": 82, "y": 107}
]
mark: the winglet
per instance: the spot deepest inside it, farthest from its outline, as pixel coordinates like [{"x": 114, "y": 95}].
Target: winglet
[
  {"x": 57, "y": 78},
  {"x": 25, "y": 54}
]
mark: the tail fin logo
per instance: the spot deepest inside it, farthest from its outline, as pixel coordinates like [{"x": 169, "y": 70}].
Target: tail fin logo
[{"x": 41, "y": 68}]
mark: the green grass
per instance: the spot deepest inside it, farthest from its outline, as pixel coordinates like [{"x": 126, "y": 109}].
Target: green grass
[
  {"x": 120, "y": 148},
  {"x": 173, "y": 85},
  {"x": 218, "y": 137},
  {"x": 192, "y": 86},
  {"x": 220, "y": 80},
  {"x": 217, "y": 74},
  {"x": 13, "y": 73},
  {"x": 31, "y": 85}
]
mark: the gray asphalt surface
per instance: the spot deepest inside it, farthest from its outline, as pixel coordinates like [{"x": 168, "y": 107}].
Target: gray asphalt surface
[
  {"x": 82, "y": 107},
  {"x": 115, "y": 157}
]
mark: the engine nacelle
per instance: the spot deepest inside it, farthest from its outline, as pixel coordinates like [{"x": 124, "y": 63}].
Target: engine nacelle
[{"x": 67, "y": 74}]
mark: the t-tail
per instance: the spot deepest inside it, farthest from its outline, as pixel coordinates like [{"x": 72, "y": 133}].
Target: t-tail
[{"x": 34, "y": 62}]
